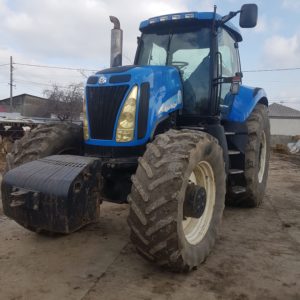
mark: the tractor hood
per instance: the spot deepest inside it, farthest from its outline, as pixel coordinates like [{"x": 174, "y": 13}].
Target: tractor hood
[{"x": 159, "y": 93}]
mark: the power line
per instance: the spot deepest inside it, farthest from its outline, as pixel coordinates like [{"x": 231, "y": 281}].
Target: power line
[
  {"x": 272, "y": 70},
  {"x": 287, "y": 102},
  {"x": 286, "y": 98},
  {"x": 55, "y": 67},
  {"x": 27, "y": 82},
  {"x": 34, "y": 82},
  {"x": 92, "y": 70},
  {"x": 95, "y": 70},
  {"x": 273, "y": 81}
]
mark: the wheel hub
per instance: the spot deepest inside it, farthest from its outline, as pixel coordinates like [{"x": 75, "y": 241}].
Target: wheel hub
[
  {"x": 199, "y": 202},
  {"x": 195, "y": 201}
]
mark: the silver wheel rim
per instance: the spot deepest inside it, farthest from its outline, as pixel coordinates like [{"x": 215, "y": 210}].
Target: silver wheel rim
[
  {"x": 194, "y": 229},
  {"x": 262, "y": 158}
]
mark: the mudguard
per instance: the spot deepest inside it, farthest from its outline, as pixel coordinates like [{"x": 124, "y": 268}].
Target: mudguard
[
  {"x": 58, "y": 193},
  {"x": 243, "y": 103}
]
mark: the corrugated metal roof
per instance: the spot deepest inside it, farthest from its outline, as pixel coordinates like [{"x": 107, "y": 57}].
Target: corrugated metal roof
[
  {"x": 281, "y": 111},
  {"x": 23, "y": 95}
]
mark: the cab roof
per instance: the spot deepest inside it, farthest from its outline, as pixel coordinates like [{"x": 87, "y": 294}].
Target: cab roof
[{"x": 162, "y": 21}]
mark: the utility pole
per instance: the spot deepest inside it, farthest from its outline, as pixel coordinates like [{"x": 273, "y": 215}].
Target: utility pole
[{"x": 11, "y": 85}]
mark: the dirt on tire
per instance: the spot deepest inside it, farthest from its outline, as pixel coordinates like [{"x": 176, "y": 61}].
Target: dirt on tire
[
  {"x": 45, "y": 140},
  {"x": 258, "y": 125},
  {"x": 157, "y": 196}
]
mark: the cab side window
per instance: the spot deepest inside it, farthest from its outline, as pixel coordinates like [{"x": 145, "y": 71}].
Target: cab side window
[
  {"x": 229, "y": 53},
  {"x": 228, "y": 64}
]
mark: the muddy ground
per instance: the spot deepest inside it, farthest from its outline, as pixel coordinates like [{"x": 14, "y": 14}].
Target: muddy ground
[{"x": 256, "y": 257}]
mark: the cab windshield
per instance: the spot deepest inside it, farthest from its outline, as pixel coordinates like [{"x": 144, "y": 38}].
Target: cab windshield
[{"x": 189, "y": 52}]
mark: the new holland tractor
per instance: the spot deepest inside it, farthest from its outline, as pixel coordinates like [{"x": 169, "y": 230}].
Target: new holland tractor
[{"x": 176, "y": 135}]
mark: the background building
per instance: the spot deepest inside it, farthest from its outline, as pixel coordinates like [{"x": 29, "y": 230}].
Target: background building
[
  {"x": 285, "y": 124},
  {"x": 284, "y": 120},
  {"x": 27, "y": 105}
]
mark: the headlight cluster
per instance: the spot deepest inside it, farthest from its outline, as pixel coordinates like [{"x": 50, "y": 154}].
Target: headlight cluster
[
  {"x": 126, "y": 122},
  {"x": 85, "y": 121}
]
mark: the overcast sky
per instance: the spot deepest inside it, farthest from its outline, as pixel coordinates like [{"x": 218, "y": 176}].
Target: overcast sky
[{"x": 76, "y": 34}]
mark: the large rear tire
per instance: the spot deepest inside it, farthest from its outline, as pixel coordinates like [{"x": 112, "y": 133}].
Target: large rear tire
[
  {"x": 257, "y": 156},
  {"x": 159, "y": 229},
  {"x": 45, "y": 140}
]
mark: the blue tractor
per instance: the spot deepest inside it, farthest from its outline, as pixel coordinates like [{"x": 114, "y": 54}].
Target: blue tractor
[{"x": 176, "y": 135}]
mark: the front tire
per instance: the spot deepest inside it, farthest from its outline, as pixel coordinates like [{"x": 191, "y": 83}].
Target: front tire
[{"x": 159, "y": 229}]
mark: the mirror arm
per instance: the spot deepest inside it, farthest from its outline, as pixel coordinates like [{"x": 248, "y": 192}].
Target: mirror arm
[{"x": 228, "y": 17}]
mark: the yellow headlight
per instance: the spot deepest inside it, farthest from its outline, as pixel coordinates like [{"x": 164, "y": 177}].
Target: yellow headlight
[
  {"x": 85, "y": 121},
  {"x": 126, "y": 122}
]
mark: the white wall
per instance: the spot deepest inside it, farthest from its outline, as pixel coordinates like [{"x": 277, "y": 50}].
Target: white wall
[{"x": 285, "y": 126}]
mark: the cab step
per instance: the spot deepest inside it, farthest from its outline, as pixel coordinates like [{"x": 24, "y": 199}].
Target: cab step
[
  {"x": 235, "y": 171},
  {"x": 192, "y": 127},
  {"x": 238, "y": 189},
  {"x": 234, "y": 152}
]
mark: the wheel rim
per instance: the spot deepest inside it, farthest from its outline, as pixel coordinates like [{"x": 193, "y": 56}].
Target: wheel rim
[
  {"x": 262, "y": 158},
  {"x": 195, "y": 228}
]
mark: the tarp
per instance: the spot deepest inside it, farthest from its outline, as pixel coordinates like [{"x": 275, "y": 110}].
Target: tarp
[{"x": 294, "y": 147}]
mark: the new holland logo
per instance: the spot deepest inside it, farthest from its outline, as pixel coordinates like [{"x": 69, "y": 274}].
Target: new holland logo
[{"x": 102, "y": 79}]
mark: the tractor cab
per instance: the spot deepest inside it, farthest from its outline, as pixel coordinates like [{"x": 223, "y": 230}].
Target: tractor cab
[
  {"x": 204, "y": 48},
  {"x": 186, "y": 48}
]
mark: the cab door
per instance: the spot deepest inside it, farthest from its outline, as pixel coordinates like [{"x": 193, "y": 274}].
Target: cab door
[{"x": 229, "y": 69}]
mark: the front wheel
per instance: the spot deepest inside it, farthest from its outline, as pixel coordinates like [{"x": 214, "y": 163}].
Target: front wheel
[{"x": 177, "y": 199}]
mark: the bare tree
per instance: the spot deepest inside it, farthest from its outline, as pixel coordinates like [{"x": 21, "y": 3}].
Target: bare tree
[{"x": 65, "y": 103}]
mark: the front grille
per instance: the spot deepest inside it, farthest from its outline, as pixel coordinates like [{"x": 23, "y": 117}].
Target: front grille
[{"x": 103, "y": 106}]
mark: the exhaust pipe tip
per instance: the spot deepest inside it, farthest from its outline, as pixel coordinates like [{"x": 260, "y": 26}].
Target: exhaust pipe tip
[
  {"x": 116, "y": 43},
  {"x": 115, "y": 21}
]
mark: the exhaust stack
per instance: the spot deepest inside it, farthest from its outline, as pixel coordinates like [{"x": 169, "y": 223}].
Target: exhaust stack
[{"x": 116, "y": 43}]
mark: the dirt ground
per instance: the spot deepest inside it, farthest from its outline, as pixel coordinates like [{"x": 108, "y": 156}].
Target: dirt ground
[{"x": 256, "y": 257}]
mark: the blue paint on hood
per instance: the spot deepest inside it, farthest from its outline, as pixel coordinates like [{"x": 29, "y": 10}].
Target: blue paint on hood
[{"x": 165, "y": 96}]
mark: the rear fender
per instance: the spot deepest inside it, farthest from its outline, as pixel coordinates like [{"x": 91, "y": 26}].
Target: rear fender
[{"x": 244, "y": 102}]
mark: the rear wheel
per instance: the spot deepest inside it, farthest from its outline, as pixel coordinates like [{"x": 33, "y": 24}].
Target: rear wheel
[
  {"x": 45, "y": 140},
  {"x": 257, "y": 156},
  {"x": 177, "y": 199}
]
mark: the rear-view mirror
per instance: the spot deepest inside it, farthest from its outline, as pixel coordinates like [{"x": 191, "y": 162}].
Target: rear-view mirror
[{"x": 248, "y": 16}]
